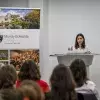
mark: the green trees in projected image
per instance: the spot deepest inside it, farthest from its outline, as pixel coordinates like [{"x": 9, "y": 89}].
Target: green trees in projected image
[
  {"x": 15, "y": 23},
  {"x": 34, "y": 19},
  {"x": 30, "y": 21}
]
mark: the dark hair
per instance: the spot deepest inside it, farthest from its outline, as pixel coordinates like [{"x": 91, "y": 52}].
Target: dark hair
[
  {"x": 29, "y": 71},
  {"x": 76, "y": 43},
  {"x": 62, "y": 84},
  {"x": 31, "y": 90},
  {"x": 11, "y": 69},
  {"x": 10, "y": 94},
  {"x": 79, "y": 72},
  {"x": 7, "y": 77}
]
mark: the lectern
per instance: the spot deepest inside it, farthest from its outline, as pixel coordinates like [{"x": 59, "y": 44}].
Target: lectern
[{"x": 68, "y": 58}]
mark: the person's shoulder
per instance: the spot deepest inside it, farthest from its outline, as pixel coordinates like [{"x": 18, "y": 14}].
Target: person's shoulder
[
  {"x": 87, "y": 86},
  {"x": 89, "y": 82},
  {"x": 73, "y": 48},
  {"x": 42, "y": 82},
  {"x": 43, "y": 85},
  {"x": 91, "y": 85}
]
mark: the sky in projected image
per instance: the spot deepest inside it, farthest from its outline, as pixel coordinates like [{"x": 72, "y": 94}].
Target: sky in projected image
[{"x": 21, "y": 12}]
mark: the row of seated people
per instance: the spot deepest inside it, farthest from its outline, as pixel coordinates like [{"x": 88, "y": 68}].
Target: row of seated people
[{"x": 66, "y": 83}]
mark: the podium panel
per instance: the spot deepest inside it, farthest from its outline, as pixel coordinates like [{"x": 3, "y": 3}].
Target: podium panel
[{"x": 69, "y": 58}]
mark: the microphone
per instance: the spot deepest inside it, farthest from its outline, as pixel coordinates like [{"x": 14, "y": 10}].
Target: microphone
[{"x": 70, "y": 49}]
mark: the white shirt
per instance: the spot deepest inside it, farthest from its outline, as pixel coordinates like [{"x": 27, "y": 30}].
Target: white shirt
[
  {"x": 88, "y": 87},
  {"x": 79, "y": 50}
]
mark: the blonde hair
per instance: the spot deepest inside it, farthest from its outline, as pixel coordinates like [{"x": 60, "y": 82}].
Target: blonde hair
[{"x": 31, "y": 90}]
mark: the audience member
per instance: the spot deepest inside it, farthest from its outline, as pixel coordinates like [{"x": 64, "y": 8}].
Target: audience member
[
  {"x": 62, "y": 84},
  {"x": 11, "y": 69},
  {"x": 30, "y": 71},
  {"x": 79, "y": 72},
  {"x": 8, "y": 76},
  {"x": 10, "y": 94},
  {"x": 30, "y": 90}
]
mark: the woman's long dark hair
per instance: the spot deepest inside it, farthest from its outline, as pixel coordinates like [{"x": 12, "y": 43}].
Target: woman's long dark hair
[
  {"x": 62, "y": 84},
  {"x": 76, "y": 43},
  {"x": 29, "y": 71},
  {"x": 79, "y": 72}
]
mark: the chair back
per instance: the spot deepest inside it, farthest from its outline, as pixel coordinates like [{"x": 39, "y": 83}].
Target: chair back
[{"x": 86, "y": 96}]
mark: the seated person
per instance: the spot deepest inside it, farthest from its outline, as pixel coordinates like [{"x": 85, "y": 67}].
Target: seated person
[
  {"x": 62, "y": 84},
  {"x": 30, "y": 71},
  {"x": 10, "y": 94},
  {"x": 30, "y": 90},
  {"x": 84, "y": 85},
  {"x": 8, "y": 76}
]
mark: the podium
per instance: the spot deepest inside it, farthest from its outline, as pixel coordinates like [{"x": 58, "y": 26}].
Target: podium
[{"x": 68, "y": 58}]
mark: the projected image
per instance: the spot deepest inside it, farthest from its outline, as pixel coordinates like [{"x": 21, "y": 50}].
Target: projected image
[
  {"x": 18, "y": 57},
  {"x": 3, "y": 54},
  {"x": 19, "y": 18}
]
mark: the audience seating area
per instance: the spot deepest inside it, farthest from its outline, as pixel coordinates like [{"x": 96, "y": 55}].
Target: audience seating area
[{"x": 66, "y": 83}]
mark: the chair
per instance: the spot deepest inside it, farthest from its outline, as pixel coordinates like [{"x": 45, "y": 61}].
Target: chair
[
  {"x": 80, "y": 96},
  {"x": 86, "y": 96}
]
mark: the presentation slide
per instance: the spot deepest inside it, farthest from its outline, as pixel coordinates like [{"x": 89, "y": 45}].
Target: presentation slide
[{"x": 19, "y": 35}]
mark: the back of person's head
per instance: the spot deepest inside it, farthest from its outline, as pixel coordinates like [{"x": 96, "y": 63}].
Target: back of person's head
[
  {"x": 7, "y": 77},
  {"x": 31, "y": 90},
  {"x": 29, "y": 71},
  {"x": 62, "y": 84},
  {"x": 10, "y": 94},
  {"x": 11, "y": 69},
  {"x": 79, "y": 72}
]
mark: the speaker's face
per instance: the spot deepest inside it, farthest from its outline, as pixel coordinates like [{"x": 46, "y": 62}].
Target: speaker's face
[
  {"x": 1, "y": 38},
  {"x": 80, "y": 40}
]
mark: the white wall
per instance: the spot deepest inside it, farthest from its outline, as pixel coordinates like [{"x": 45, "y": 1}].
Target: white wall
[
  {"x": 69, "y": 17},
  {"x": 35, "y": 3},
  {"x": 21, "y": 3},
  {"x": 14, "y": 3}
]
